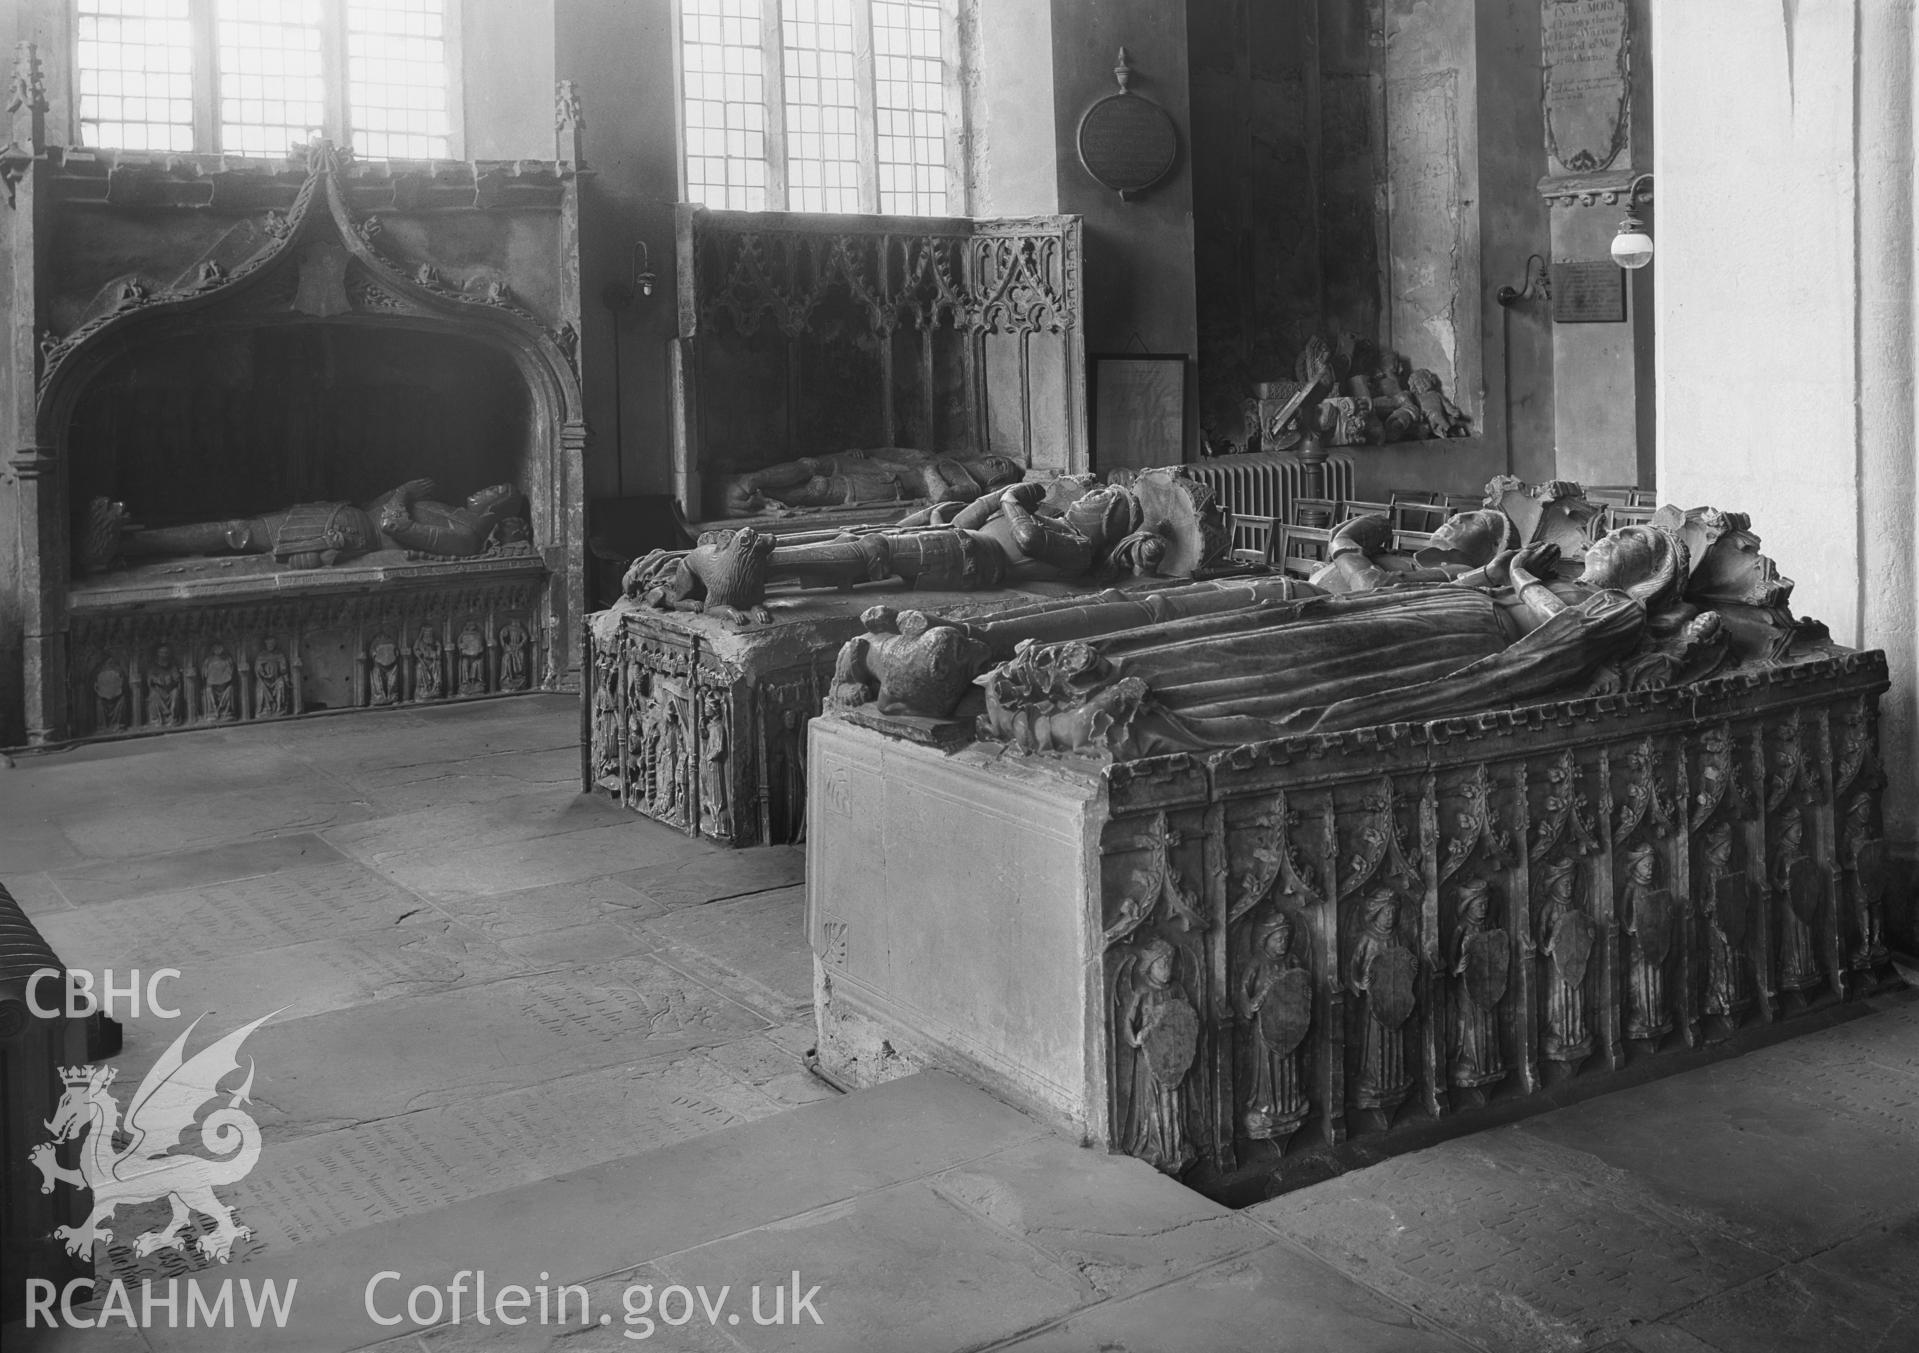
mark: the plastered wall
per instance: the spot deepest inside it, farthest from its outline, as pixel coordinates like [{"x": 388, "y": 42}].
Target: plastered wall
[{"x": 1786, "y": 307}]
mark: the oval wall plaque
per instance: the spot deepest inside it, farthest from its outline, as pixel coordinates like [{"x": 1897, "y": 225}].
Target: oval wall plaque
[{"x": 1126, "y": 141}]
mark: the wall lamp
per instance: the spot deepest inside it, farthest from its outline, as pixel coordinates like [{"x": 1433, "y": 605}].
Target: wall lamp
[
  {"x": 619, "y": 295},
  {"x": 1535, "y": 285},
  {"x": 1632, "y": 246}
]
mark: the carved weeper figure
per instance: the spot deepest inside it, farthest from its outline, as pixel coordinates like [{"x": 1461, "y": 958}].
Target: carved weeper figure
[
  {"x": 166, "y": 691},
  {"x": 311, "y": 535},
  {"x": 1381, "y": 974},
  {"x": 1865, "y": 856},
  {"x": 1648, "y": 912},
  {"x": 383, "y": 674},
  {"x": 222, "y": 678},
  {"x": 1275, "y": 999},
  {"x": 1160, "y": 1030},
  {"x": 471, "y": 647},
  {"x": 1483, "y": 965},
  {"x": 272, "y": 681},
  {"x": 110, "y": 712},
  {"x": 513, "y": 646},
  {"x": 1727, "y": 903},
  {"x": 713, "y": 729},
  {"x": 429, "y": 671},
  {"x": 1566, "y": 937},
  {"x": 1798, "y": 879}
]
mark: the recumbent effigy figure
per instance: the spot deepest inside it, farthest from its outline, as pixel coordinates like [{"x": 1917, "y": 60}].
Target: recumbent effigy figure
[
  {"x": 314, "y": 535},
  {"x": 1213, "y": 665},
  {"x": 852, "y": 478},
  {"x": 1162, "y": 524}
]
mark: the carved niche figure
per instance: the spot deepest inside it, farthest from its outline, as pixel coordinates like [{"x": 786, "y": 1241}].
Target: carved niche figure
[
  {"x": 513, "y": 665},
  {"x": 110, "y": 704},
  {"x": 1566, "y": 938},
  {"x": 1381, "y": 974},
  {"x": 885, "y": 475},
  {"x": 429, "y": 669},
  {"x": 1798, "y": 880},
  {"x": 1649, "y": 923},
  {"x": 1275, "y": 999},
  {"x": 383, "y": 674},
  {"x": 1162, "y": 524},
  {"x": 713, "y": 748},
  {"x": 272, "y": 681},
  {"x": 312, "y": 535},
  {"x": 166, "y": 690},
  {"x": 1727, "y": 904},
  {"x": 470, "y": 648},
  {"x": 222, "y": 685},
  {"x": 1865, "y": 856},
  {"x": 1160, "y": 1031},
  {"x": 1482, "y": 965}
]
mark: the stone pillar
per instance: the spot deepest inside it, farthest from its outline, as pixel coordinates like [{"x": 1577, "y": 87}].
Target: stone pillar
[
  {"x": 34, "y": 621},
  {"x": 1786, "y": 309}
]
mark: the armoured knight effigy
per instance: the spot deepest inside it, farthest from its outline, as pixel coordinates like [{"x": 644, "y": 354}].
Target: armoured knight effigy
[
  {"x": 705, "y": 677},
  {"x": 1245, "y": 881}
]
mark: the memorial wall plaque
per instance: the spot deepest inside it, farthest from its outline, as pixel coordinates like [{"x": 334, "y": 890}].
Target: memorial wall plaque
[
  {"x": 1587, "y": 52},
  {"x": 1589, "y": 292},
  {"x": 1127, "y": 141}
]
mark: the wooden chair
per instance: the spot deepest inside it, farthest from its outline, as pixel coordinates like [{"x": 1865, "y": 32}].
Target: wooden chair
[
  {"x": 1457, "y": 503},
  {"x": 1359, "y": 507},
  {"x": 1625, "y": 514},
  {"x": 1413, "y": 496},
  {"x": 1255, "y": 538},
  {"x": 1405, "y": 541},
  {"x": 1423, "y": 518},
  {"x": 1313, "y": 512},
  {"x": 1303, "y": 550}
]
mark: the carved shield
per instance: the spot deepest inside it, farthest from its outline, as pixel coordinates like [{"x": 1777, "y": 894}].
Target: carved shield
[
  {"x": 1489, "y": 961},
  {"x": 1652, "y": 922},
  {"x": 1389, "y": 983},
  {"x": 1805, "y": 889},
  {"x": 1170, "y": 1046},
  {"x": 1286, "y": 1013},
  {"x": 1869, "y": 866},
  {"x": 1572, "y": 941},
  {"x": 1732, "y": 906}
]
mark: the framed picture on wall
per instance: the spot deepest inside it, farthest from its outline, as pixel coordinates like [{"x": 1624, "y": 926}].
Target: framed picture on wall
[{"x": 1139, "y": 409}]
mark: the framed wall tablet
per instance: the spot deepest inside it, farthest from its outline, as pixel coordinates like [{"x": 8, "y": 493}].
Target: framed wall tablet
[{"x": 1139, "y": 409}]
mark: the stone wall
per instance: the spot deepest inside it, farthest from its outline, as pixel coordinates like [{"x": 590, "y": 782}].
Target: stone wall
[
  {"x": 1787, "y": 314},
  {"x": 1381, "y": 166}
]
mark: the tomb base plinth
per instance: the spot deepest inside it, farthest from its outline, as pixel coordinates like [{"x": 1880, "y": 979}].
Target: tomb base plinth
[
  {"x": 700, "y": 722},
  {"x": 1254, "y": 966}
]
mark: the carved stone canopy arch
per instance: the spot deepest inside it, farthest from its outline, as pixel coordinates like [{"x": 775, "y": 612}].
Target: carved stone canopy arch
[{"x": 219, "y": 341}]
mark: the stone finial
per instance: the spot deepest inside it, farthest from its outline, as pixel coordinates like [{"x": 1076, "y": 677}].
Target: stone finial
[
  {"x": 569, "y": 123},
  {"x": 28, "y": 101}
]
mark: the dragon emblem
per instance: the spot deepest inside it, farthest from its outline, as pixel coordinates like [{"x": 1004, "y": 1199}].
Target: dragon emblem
[{"x": 157, "y": 1117}]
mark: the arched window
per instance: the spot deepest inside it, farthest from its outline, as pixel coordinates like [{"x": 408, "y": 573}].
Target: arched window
[
  {"x": 253, "y": 77},
  {"x": 820, "y": 105}
]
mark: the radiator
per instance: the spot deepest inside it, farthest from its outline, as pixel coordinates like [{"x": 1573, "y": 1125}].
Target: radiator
[{"x": 1264, "y": 483}]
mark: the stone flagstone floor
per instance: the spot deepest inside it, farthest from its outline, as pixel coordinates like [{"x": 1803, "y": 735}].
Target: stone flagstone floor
[{"x": 523, "y": 1031}]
